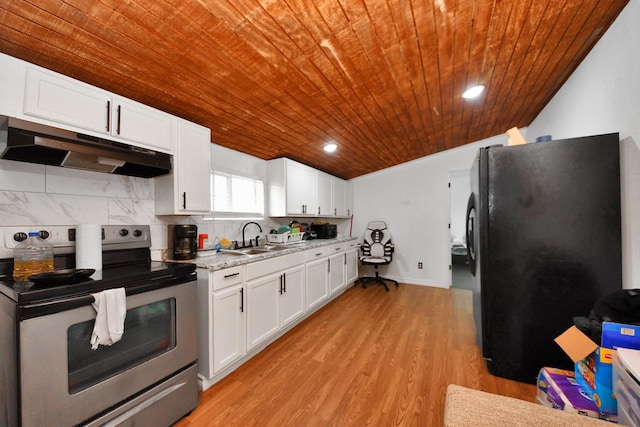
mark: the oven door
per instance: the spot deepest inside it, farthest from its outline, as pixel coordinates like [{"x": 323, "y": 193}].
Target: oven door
[{"x": 63, "y": 382}]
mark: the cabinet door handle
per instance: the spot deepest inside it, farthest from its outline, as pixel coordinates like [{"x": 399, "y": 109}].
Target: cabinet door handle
[
  {"x": 108, "y": 116},
  {"x": 226, "y": 276},
  {"x": 184, "y": 200},
  {"x": 281, "y": 284},
  {"x": 335, "y": 212},
  {"x": 118, "y": 126},
  {"x": 318, "y": 210},
  {"x": 242, "y": 300},
  {"x": 319, "y": 254},
  {"x": 345, "y": 259},
  {"x": 329, "y": 265},
  {"x": 284, "y": 282}
]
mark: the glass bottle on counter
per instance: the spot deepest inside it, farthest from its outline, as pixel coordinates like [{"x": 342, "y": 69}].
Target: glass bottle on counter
[{"x": 32, "y": 256}]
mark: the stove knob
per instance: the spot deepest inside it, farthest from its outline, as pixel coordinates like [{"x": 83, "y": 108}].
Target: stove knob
[
  {"x": 137, "y": 233},
  {"x": 124, "y": 232},
  {"x": 20, "y": 236},
  {"x": 44, "y": 234}
]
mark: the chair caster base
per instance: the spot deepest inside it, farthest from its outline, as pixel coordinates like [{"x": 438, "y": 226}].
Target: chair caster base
[{"x": 381, "y": 280}]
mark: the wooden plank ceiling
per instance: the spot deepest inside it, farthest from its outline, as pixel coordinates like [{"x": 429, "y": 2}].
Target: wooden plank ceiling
[{"x": 272, "y": 78}]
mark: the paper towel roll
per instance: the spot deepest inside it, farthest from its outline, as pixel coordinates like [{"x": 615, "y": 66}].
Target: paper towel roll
[{"x": 89, "y": 246}]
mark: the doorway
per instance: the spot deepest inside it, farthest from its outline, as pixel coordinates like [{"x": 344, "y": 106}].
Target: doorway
[{"x": 459, "y": 190}]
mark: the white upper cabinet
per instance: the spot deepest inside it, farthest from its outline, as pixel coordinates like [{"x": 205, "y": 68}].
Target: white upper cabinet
[
  {"x": 341, "y": 198},
  {"x": 60, "y": 100},
  {"x": 139, "y": 123},
  {"x": 187, "y": 189},
  {"x": 291, "y": 188},
  {"x": 51, "y": 96},
  {"x": 295, "y": 189},
  {"x": 10, "y": 84},
  {"x": 323, "y": 200},
  {"x": 348, "y": 198},
  {"x": 338, "y": 196},
  {"x": 300, "y": 188}
]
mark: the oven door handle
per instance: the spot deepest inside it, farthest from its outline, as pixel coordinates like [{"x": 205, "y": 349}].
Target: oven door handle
[{"x": 54, "y": 306}]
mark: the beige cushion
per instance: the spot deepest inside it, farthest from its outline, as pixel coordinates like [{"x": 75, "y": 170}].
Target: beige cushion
[{"x": 467, "y": 407}]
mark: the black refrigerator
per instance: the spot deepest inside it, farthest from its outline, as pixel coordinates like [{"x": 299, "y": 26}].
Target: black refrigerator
[{"x": 544, "y": 243}]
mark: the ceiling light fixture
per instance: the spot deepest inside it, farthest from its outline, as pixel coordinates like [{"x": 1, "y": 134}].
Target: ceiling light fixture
[
  {"x": 330, "y": 147},
  {"x": 473, "y": 92}
]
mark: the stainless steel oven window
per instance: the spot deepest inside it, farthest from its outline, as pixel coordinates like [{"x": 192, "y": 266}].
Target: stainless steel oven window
[{"x": 149, "y": 331}]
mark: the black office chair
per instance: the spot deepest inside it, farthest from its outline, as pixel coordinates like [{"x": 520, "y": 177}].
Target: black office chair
[{"x": 377, "y": 249}]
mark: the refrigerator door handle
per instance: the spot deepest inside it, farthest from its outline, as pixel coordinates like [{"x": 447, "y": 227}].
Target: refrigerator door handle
[{"x": 470, "y": 232}]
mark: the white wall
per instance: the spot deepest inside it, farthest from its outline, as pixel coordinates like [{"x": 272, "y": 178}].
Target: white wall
[
  {"x": 603, "y": 96},
  {"x": 413, "y": 199}
]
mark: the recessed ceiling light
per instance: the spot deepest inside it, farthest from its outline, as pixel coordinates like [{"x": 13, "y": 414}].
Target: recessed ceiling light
[
  {"x": 473, "y": 92},
  {"x": 330, "y": 147}
]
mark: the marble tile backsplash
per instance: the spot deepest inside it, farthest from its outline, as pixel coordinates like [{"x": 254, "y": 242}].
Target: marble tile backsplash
[{"x": 33, "y": 195}]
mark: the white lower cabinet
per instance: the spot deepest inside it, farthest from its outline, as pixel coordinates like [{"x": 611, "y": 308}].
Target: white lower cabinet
[
  {"x": 275, "y": 296},
  {"x": 228, "y": 326},
  {"x": 351, "y": 265},
  {"x": 262, "y": 306},
  {"x": 292, "y": 304},
  {"x": 221, "y": 316},
  {"x": 317, "y": 271},
  {"x": 337, "y": 269}
]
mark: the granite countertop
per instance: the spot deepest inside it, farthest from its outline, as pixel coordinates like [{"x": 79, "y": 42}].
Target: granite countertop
[{"x": 217, "y": 261}]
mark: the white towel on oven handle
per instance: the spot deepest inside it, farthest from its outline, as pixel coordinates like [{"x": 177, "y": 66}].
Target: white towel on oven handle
[{"x": 111, "y": 309}]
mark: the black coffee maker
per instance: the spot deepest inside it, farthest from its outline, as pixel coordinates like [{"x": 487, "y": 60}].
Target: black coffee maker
[{"x": 183, "y": 241}]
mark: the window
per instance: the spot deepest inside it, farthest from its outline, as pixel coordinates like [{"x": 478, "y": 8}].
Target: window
[{"x": 236, "y": 196}]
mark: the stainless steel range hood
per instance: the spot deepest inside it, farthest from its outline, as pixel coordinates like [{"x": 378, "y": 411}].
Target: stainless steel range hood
[{"x": 35, "y": 143}]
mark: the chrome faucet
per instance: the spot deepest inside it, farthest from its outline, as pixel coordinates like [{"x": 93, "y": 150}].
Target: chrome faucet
[{"x": 244, "y": 245}]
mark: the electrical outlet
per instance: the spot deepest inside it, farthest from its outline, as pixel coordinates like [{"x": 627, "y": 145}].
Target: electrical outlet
[{"x": 419, "y": 266}]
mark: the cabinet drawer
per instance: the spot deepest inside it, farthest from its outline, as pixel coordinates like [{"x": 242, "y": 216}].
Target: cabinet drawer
[
  {"x": 336, "y": 248},
  {"x": 316, "y": 253},
  {"x": 227, "y": 277},
  {"x": 273, "y": 265},
  {"x": 353, "y": 244}
]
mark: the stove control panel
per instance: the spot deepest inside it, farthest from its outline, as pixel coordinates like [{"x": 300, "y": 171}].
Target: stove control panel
[{"x": 63, "y": 238}]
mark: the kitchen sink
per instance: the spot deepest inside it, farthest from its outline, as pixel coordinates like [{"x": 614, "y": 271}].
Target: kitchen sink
[{"x": 252, "y": 251}]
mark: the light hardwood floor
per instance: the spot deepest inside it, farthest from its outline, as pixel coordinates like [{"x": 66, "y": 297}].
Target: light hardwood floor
[{"x": 369, "y": 358}]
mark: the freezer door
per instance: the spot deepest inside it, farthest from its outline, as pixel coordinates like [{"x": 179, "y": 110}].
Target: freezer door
[{"x": 475, "y": 241}]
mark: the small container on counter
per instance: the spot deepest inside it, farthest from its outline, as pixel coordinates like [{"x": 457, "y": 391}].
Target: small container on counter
[
  {"x": 32, "y": 256},
  {"x": 203, "y": 239}
]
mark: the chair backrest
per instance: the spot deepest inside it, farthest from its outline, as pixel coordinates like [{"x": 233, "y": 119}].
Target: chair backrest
[{"x": 377, "y": 240}]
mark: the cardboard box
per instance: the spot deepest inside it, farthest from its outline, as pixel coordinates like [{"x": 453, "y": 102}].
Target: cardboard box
[
  {"x": 593, "y": 363},
  {"x": 558, "y": 389}
]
